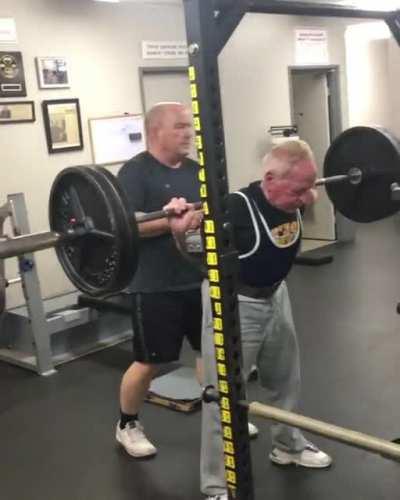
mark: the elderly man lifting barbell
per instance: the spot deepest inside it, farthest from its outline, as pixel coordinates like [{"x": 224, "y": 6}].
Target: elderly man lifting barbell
[{"x": 266, "y": 223}]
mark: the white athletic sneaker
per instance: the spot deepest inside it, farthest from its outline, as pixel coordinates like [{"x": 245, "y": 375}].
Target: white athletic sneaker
[
  {"x": 311, "y": 457},
  {"x": 253, "y": 431},
  {"x": 218, "y": 497},
  {"x": 133, "y": 439}
]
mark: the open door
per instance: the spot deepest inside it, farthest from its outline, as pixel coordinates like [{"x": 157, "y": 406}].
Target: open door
[{"x": 312, "y": 105}]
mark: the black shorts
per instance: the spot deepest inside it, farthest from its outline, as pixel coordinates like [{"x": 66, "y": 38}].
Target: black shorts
[{"x": 160, "y": 322}]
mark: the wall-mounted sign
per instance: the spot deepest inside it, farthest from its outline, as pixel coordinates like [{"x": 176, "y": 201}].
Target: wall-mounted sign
[
  {"x": 164, "y": 50},
  {"x": 311, "y": 46},
  {"x": 8, "y": 30},
  {"x": 12, "y": 77}
]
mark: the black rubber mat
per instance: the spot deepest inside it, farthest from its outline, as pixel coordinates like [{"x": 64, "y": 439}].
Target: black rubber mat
[{"x": 57, "y": 433}]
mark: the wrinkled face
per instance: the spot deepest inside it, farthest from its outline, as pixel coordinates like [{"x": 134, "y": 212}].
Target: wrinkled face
[
  {"x": 175, "y": 133},
  {"x": 295, "y": 189}
]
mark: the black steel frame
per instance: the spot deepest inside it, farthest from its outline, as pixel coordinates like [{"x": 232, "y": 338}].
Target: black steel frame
[{"x": 209, "y": 25}]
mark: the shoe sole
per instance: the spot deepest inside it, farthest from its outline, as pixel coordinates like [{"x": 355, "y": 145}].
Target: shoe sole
[
  {"x": 132, "y": 454},
  {"x": 298, "y": 464}
]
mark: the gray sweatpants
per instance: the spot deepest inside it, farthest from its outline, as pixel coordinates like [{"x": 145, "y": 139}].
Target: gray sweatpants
[{"x": 268, "y": 341}]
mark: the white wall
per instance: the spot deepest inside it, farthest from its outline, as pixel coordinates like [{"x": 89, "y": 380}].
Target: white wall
[
  {"x": 393, "y": 88},
  {"x": 255, "y": 84},
  {"x": 102, "y": 43},
  {"x": 368, "y": 77}
]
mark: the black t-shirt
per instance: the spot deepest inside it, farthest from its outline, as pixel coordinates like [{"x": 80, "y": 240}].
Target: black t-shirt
[
  {"x": 266, "y": 238},
  {"x": 149, "y": 186}
]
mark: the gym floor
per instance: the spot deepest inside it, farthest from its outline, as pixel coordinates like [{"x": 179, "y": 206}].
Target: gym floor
[{"x": 57, "y": 433}]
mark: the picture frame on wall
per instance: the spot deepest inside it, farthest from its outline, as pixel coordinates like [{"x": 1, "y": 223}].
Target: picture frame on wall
[
  {"x": 63, "y": 125},
  {"x": 12, "y": 75},
  {"x": 52, "y": 72},
  {"x": 17, "y": 112}
]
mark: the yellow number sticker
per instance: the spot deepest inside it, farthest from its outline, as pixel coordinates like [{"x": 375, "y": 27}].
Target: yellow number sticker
[
  {"x": 209, "y": 227},
  {"x": 221, "y": 368},
  {"x": 218, "y": 339},
  {"x": 223, "y": 387},
  {"x": 226, "y": 417},
  {"x": 215, "y": 292},
  {"x": 192, "y": 73},
  {"x": 193, "y": 91},
  {"x": 213, "y": 276}
]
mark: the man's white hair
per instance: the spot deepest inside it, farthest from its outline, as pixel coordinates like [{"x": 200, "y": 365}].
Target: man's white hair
[{"x": 287, "y": 155}]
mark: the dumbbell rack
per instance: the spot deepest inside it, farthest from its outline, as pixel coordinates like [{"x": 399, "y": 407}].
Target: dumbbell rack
[{"x": 44, "y": 333}]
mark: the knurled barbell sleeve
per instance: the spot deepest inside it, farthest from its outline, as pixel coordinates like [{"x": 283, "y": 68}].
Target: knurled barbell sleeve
[{"x": 28, "y": 243}]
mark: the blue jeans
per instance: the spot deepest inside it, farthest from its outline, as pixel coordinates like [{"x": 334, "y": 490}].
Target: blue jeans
[{"x": 268, "y": 341}]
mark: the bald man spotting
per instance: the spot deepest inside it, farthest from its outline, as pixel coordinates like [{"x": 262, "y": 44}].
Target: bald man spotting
[{"x": 166, "y": 298}]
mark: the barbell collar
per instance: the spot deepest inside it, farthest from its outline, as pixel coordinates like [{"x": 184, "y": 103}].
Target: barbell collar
[
  {"x": 210, "y": 394},
  {"x": 350, "y": 437},
  {"x": 354, "y": 176},
  {"x": 331, "y": 180}
]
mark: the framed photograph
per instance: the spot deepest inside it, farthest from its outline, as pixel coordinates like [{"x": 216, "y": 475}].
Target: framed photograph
[
  {"x": 12, "y": 75},
  {"x": 62, "y": 122},
  {"x": 52, "y": 72},
  {"x": 17, "y": 112}
]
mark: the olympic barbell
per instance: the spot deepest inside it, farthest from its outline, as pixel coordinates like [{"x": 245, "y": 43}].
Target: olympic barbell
[
  {"x": 97, "y": 242},
  {"x": 373, "y": 444}
]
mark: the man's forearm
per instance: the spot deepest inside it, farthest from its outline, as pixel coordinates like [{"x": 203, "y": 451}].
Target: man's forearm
[{"x": 153, "y": 228}]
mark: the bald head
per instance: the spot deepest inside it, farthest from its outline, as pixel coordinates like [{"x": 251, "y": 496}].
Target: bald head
[
  {"x": 154, "y": 117},
  {"x": 169, "y": 131}
]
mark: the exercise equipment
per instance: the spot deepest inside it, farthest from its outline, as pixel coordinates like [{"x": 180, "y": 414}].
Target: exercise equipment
[
  {"x": 97, "y": 242},
  {"x": 373, "y": 154},
  {"x": 45, "y": 332},
  {"x": 388, "y": 449},
  {"x": 178, "y": 390}
]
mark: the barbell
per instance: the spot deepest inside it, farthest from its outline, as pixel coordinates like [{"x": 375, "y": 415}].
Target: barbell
[
  {"x": 97, "y": 241},
  {"x": 372, "y": 444}
]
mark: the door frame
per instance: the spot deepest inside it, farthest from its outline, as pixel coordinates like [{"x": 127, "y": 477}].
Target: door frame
[
  {"x": 332, "y": 72},
  {"x": 344, "y": 231},
  {"x": 156, "y": 70}
]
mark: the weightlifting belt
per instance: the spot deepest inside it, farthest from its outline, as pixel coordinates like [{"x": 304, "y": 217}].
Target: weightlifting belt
[{"x": 253, "y": 292}]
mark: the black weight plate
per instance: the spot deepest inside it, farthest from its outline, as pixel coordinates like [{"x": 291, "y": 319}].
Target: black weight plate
[
  {"x": 96, "y": 265},
  {"x": 132, "y": 245},
  {"x": 376, "y": 152}
]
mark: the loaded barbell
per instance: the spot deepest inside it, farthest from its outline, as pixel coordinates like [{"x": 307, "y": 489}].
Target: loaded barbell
[{"x": 97, "y": 242}]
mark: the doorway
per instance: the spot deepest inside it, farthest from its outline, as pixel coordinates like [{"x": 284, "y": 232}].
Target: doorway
[{"x": 315, "y": 109}]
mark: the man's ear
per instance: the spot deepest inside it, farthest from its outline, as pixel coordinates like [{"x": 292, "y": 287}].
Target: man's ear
[{"x": 269, "y": 176}]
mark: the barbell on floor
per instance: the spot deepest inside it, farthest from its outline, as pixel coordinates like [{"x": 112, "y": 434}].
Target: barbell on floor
[
  {"x": 97, "y": 241},
  {"x": 373, "y": 444}
]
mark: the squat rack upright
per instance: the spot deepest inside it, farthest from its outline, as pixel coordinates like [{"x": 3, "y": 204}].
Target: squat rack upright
[{"x": 209, "y": 25}]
